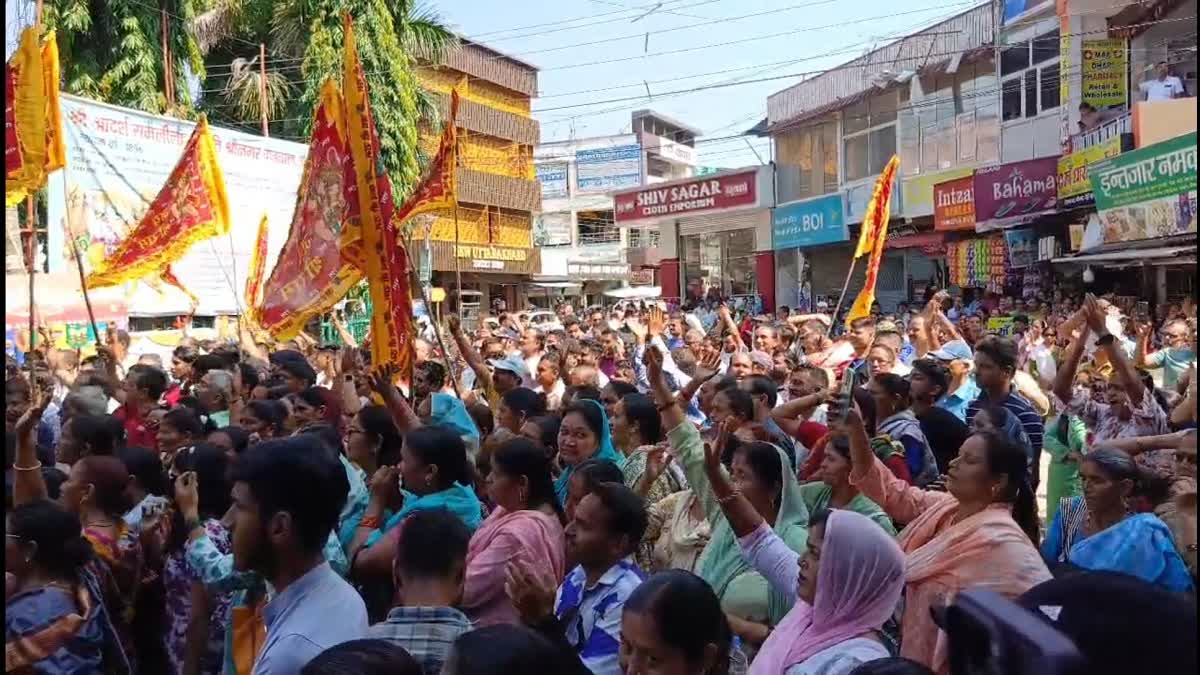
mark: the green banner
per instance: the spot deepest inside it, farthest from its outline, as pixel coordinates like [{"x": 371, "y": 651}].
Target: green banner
[{"x": 1147, "y": 193}]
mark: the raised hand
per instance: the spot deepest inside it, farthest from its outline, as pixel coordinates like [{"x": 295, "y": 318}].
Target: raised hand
[
  {"x": 656, "y": 321},
  {"x": 187, "y": 495},
  {"x": 349, "y": 361},
  {"x": 653, "y": 361},
  {"x": 30, "y": 419},
  {"x": 714, "y": 451},
  {"x": 708, "y": 366},
  {"x": 454, "y": 324},
  {"x": 531, "y": 591},
  {"x": 657, "y": 460},
  {"x": 639, "y": 331}
]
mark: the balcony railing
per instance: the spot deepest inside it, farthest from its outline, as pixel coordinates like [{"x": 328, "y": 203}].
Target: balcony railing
[
  {"x": 605, "y": 236},
  {"x": 1114, "y": 127}
]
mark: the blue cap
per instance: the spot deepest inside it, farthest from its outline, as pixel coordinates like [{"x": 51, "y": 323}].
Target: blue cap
[
  {"x": 513, "y": 363},
  {"x": 954, "y": 350}
]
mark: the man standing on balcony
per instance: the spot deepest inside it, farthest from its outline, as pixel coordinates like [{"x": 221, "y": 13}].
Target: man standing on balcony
[{"x": 1162, "y": 85}]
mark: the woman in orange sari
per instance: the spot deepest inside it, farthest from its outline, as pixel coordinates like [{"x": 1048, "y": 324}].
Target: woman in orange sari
[{"x": 978, "y": 534}]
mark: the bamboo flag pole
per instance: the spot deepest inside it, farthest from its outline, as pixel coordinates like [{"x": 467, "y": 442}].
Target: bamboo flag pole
[
  {"x": 87, "y": 300},
  {"x": 262, "y": 87},
  {"x": 841, "y": 298},
  {"x": 436, "y": 328},
  {"x": 31, "y": 221}
]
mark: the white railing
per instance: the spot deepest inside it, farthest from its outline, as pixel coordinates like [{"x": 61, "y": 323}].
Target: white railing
[{"x": 1114, "y": 127}]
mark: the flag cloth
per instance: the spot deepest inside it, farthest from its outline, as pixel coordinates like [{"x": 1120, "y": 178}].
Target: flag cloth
[
  {"x": 190, "y": 207},
  {"x": 876, "y": 222},
  {"x": 385, "y": 260},
  {"x": 33, "y": 137},
  {"x": 314, "y": 269},
  {"x": 438, "y": 190},
  {"x": 870, "y": 226},
  {"x": 258, "y": 264}
]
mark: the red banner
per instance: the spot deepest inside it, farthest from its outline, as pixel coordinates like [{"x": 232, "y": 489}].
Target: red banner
[
  {"x": 314, "y": 271},
  {"x": 698, "y": 196},
  {"x": 190, "y": 207},
  {"x": 385, "y": 259},
  {"x": 954, "y": 205}
]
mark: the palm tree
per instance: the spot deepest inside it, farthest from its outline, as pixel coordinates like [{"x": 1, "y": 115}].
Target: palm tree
[{"x": 305, "y": 47}]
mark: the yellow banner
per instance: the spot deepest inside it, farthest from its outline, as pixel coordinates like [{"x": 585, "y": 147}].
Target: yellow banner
[
  {"x": 1072, "y": 169},
  {"x": 875, "y": 222},
  {"x": 1103, "y": 67}
]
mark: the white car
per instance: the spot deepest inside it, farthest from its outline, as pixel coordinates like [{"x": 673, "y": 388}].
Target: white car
[{"x": 544, "y": 321}]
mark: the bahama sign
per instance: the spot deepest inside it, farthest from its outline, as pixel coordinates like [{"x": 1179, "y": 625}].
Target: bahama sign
[
  {"x": 811, "y": 222},
  {"x": 1148, "y": 193}
]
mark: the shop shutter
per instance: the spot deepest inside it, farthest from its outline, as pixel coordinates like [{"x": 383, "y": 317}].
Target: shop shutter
[
  {"x": 829, "y": 266},
  {"x": 724, "y": 222}
]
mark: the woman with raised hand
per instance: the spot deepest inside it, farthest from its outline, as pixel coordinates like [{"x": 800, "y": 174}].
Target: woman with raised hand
[
  {"x": 1097, "y": 531},
  {"x": 527, "y": 522},
  {"x": 763, "y": 476},
  {"x": 979, "y": 533}
]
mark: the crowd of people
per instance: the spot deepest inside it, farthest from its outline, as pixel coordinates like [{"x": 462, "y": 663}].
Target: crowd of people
[{"x": 644, "y": 490}]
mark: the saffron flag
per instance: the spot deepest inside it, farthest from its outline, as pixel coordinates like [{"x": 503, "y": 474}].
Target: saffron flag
[
  {"x": 190, "y": 207},
  {"x": 314, "y": 269},
  {"x": 875, "y": 221},
  {"x": 33, "y": 137},
  {"x": 384, "y": 257},
  {"x": 438, "y": 190},
  {"x": 258, "y": 264}
]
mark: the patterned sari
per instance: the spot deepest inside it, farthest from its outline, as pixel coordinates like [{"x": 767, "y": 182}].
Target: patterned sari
[{"x": 117, "y": 568}]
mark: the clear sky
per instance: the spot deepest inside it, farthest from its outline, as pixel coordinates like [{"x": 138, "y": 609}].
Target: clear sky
[{"x": 816, "y": 34}]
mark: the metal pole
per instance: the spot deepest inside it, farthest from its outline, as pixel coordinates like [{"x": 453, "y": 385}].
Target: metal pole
[
  {"x": 262, "y": 87},
  {"x": 31, "y": 248},
  {"x": 842, "y": 297},
  {"x": 87, "y": 300},
  {"x": 437, "y": 329}
]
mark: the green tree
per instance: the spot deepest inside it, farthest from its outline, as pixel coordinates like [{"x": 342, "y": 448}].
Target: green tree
[
  {"x": 112, "y": 50},
  {"x": 304, "y": 40}
]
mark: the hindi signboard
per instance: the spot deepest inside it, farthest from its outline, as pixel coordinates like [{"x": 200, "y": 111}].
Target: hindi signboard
[{"x": 1148, "y": 193}]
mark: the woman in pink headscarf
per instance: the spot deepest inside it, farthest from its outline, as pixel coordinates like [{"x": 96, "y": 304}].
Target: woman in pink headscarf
[{"x": 847, "y": 584}]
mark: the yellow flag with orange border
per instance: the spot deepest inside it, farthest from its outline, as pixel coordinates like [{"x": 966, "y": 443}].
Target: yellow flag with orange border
[{"x": 875, "y": 224}]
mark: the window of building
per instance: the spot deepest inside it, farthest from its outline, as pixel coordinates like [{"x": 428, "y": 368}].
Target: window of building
[
  {"x": 597, "y": 227},
  {"x": 1029, "y": 74},
  {"x": 954, "y": 120},
  {"x": 721, "y": 261},
  {"x": 807, "y": 161},
  {"x": 869, "y": 135}
]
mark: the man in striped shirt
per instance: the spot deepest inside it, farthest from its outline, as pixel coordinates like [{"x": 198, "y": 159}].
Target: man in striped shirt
[{"x": 995, "y": 368}]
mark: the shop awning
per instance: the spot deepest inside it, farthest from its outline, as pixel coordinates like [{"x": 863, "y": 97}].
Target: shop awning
[{"x": 1158, "y": 254}]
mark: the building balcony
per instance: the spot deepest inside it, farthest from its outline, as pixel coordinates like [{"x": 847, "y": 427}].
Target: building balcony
[
  {"x": 600, "y": 237},
  {"x": 480, "y": 119},
  {"x": 518, "y": 194},
  {"x": 1116, "y": 126}
]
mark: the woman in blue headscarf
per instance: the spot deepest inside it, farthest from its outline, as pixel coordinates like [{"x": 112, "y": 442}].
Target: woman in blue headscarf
[
  {"x": 583, "y": 435},
  {"x": 445, "y": 410}
]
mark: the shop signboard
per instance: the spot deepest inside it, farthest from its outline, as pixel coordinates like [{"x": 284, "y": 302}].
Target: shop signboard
[
  {"x": 1148, "y": 193},
  {"x": 587, "y": 271},
  {"x": 954, "y": 205},
  {"x": 1014, "y": 194},
  {"x": 1074, "y": 188},
  {"x": 811, "y": 222},
  {"x": 859, "y": 196},
  {"x": 641, "y": 278},
  {"x": 605, "y": 169},
  {"x": 552, "y": 229},
  {"x": 484, "y": 258},
  {"x": 552, "y": 176},
  {"x": 917, "y": 190},
  {"x": 692, "y": 197},
  {"x": 1022, "y": 247},
  {"x": 1104, "y": 66},
  {"x": 1000, "y": 325}
]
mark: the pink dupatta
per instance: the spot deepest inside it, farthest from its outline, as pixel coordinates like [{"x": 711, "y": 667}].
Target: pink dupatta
[
  {"x": 859, "y": 581},
  {"x": 532, "y": 535}
]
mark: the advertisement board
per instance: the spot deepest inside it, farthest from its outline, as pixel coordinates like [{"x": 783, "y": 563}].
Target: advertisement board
[
  {"x": 1074, "y": 188},
  {"x": 1022, "y": 247},
  {"x": 552, "y": 229},
  {"x": 917, "y": 190},
  {"x": 607, "y": 169},
  {"x": 552, "y": 176},
  {"x": 1103, "y": 72},
  {"x": 117, "y": 161},
  {"x": 954, "y": 204},
  {"x": 811, "y": 222},
  {"x": 696, "y": 196},
  {"x": 1147, "y": 193},
  {"x": 1016, "y": 193}
]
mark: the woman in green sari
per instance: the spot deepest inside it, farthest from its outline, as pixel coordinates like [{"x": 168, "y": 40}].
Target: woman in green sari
[
  {"x": 1065, "y": 441},
  {"x": 833, "y": 490},
  {"x": 762, "y": 474}
]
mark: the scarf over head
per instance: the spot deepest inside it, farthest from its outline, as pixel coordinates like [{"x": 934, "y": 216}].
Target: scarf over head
[
  {"x": 447, "y": 411},
  {"x": 604, "y": 452},
  {"x": 859, "y": 582},
  {"x": 722, "y": 561}
]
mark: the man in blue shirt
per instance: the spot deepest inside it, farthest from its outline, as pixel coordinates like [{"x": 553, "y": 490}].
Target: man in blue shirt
[
  {"x": 995, "y": 366},
  {"x": 287, "y": 496},
  {"x": 957, "y": 357},
  {"x": 608, "y": 526}
]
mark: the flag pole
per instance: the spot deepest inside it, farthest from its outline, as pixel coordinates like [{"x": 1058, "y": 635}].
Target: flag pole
[
  {"x": 31, "y": 251},
  {"x": 842, "y": 298},
  {"x": 436, "y": 327},
  {"x": 87, "y": 300}
]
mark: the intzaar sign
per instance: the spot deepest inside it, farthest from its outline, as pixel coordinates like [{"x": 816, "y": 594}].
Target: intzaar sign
[{"x": 699, "y": 196}]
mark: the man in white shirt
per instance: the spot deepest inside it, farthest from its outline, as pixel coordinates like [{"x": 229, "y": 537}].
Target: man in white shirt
[{"x": 1162, "y": 86}]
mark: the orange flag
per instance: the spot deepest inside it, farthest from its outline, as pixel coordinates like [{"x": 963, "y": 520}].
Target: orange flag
[
  {"x": 258, "y": 264},
  {"x": 384, "y": 257},
  {"x": 190, "y": 207},
  {"x": 316, "y": 267},
  {"x": 33, "y": 137},
  {"x": 876, "y": 223}
]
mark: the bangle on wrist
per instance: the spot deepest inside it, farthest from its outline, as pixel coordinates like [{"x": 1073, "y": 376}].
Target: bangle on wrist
[
  {"x": 729, "y": 497},
  {"x": 35, "y": 467}
]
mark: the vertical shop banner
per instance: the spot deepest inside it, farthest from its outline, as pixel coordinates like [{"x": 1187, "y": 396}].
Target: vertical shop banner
[
  {"x": 118, "y": 159},
  {"x": 552, "y": 176},
  {"x": 954, "y": 205},
  {"x": 1022, "y": 247},
  {"x": 1014, "y": 194},
  {"x": 808, "y": 223},
  {"x": 552, "y": 229},
  {"x": 607, "y": 169},
  {"x": 1147, "y": 193},
  {"x": 1074, "y": 187},
  {"x": 1103, "y": 70}
]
